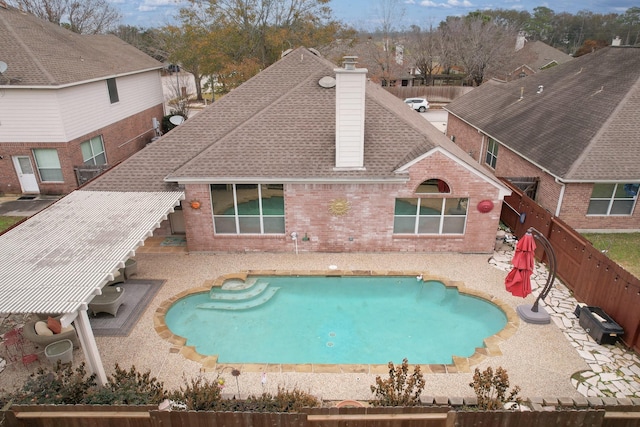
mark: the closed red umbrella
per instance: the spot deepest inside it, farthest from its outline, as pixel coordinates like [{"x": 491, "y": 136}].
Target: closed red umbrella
[{"x": 518, "y": 280}]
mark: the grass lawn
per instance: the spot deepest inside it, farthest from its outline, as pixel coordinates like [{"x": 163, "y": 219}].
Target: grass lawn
[
  {"x": 8, "y": 221},
  {"x": 623, "y": 248}
]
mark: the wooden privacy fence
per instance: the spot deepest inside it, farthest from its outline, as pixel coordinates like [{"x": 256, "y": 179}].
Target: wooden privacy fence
[
  {"x": 420, "y": 416},
  {"x": 593, "y": 278},
  {"x": 432, "y": 93}
]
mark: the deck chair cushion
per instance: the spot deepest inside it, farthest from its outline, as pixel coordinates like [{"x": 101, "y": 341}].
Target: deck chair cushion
[
  {"x": 42, "y": 329},
  {"x": 54, "y": 325}
]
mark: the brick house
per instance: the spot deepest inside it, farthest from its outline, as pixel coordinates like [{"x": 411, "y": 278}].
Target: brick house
[
  {"x": 71, "y": 105},
  {"x": 306, "y": 156},
  {"x": 569, "y": 136}
]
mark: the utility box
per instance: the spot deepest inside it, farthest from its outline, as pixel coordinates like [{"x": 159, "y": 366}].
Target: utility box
[{"x": 599, "y": 325}]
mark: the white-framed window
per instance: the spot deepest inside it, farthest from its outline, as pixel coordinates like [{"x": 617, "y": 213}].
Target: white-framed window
[
  {"x": 613, "y": 199},
  {"x": 492, "y": 153},
  {"x": 93, "y": 152},
  {"x": 430, "y": 215},
  {"x": 48, "y": 164},
  {"x": 113, "y": 90},
  {"x": 248, "y": 208}
]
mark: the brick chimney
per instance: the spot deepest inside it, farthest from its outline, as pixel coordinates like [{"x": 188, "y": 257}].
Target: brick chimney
[{"x": 350, "y": 95}]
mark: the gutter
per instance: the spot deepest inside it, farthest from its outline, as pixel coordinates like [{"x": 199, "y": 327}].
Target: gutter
[
  {"x": 563, "y": 186},
  {"x": 258, "y": 180}
]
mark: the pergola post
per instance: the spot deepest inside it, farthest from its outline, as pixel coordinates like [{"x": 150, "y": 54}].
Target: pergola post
[{"x": 89, "y": 347}]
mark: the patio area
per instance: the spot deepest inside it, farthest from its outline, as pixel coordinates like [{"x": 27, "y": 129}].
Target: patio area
[{"x": 541, "y": 359}]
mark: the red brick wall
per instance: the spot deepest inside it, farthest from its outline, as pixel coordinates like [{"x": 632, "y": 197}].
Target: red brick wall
[
  {"x": 466, "y": 137},
  {"x": 366, "y": 227},
  {"x": 121, "y": 140},
  {"x": 574, "y": 212}
]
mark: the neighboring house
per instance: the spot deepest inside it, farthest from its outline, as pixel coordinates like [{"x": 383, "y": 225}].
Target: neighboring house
[
  {"x": 570, "y": 134},
  {"x": 71, "y": 105},
  {"x": 306, "y": 157},
  {"x": 533, "y": 57},
  {"x": 385, "y": 60}
]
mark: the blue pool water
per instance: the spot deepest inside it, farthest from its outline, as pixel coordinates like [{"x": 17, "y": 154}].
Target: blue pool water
[{"x": 335, "y": 320}]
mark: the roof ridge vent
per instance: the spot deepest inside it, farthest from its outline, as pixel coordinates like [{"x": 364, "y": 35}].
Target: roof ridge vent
[{"x": 349, "y": 62}]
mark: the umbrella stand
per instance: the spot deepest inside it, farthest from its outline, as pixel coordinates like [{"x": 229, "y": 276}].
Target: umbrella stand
[{"x": 534, "y": 313}]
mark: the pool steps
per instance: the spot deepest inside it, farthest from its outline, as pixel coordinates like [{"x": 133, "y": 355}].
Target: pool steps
[
  {"x": 239, "y": 294},
  {"x": 241, "y": 299}
]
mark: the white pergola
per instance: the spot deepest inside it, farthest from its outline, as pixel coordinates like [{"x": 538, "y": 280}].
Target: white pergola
[{"x": 59, "y": 259}]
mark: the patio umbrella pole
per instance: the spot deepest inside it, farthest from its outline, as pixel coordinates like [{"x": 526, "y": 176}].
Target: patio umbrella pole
[{"x": 534, "y": 313}]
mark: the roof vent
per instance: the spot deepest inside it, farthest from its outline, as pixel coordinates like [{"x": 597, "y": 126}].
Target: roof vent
[
  {"x": 540, "y": 89},
  {"x": 349, "y": 62},
  {"x": 327, "y": 82}
]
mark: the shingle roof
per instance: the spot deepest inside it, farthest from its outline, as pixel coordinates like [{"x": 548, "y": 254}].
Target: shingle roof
[
  {"x": 279, "y": 125},
  {"x": 537, "y": 55},
  {"x": 39, "y": 53},
  {"x": 584, "y": 125}
]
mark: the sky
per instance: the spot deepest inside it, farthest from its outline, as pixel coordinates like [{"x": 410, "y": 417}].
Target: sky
[{"x": 365, "y": 14}]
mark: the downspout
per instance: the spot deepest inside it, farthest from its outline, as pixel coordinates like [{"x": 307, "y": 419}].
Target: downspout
[{"x": 563, "y": 186}]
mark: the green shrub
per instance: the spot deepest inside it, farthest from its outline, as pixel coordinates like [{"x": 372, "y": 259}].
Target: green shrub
[
  {"x": 400, "y": 389},
  {"x": 491, "y": 388},
  {"x": 283, "y": 401},
  {"x": 199, "y": 394},
  {"x": 129, "y": 388},
  {"x": 63, "y": 385}
]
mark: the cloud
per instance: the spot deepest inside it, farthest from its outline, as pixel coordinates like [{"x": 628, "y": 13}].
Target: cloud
[
  {"x": 450, "y": 4},
  {"x": 457, "y": 3}
]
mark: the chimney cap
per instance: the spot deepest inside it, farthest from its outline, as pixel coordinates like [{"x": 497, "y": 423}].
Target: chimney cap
[{"x": 349, "y": 62}]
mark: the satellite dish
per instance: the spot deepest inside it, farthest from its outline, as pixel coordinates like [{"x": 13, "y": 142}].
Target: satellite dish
[
  {"x": 3, "y": 67},
  {"x": 327, "y": 82},
  {"x": 176, "y": 120}
]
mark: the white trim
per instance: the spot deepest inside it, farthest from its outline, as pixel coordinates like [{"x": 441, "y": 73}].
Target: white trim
[
  {"x": 81, "y": 82},
  {"x": 245, "y": 180}
]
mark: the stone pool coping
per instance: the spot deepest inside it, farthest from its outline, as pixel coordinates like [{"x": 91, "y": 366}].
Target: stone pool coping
[{"x": 210, "y": 363}]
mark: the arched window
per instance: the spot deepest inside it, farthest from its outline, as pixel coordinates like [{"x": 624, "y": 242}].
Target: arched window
[
  {"x": 429, "y": 212},
  {"x": 433, "y": 185}
]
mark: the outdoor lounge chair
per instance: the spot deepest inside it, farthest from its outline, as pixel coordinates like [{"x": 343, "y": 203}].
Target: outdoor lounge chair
[
  {"x": 118, "y": 277},
  {"x": 109, "y": 301},
  {"x": 29, "y": 332}
]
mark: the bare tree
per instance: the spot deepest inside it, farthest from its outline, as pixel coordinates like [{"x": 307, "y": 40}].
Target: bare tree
[
  {"x": 83, "y": 17},
  {"x": 388, "y": 56},
  {"x": 424, "y": 52},
  {"x": 178, "y": 94},
  {"x": 481, "y": 46}
]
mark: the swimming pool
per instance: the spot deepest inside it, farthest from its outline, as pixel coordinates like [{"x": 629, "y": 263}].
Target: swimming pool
[{"x": 369, "y": 319}]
